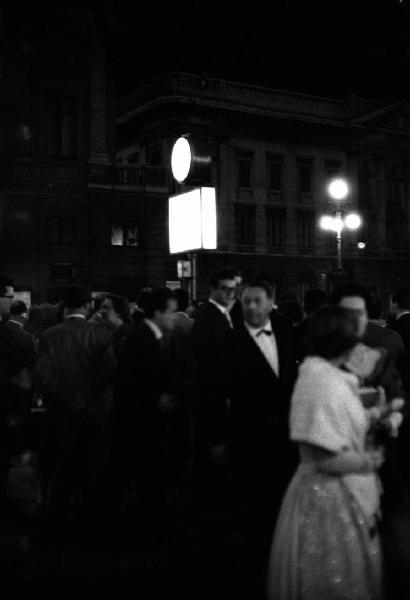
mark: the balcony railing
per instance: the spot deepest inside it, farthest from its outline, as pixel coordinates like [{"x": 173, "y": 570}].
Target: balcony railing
[{"x": 147, "y": 175}]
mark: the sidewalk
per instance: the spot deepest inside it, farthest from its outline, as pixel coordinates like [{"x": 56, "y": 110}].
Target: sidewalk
[{"x": 198, "y": 555}]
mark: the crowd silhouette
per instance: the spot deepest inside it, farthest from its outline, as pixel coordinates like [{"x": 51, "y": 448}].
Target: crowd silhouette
[{"x": 289, "y": 420}]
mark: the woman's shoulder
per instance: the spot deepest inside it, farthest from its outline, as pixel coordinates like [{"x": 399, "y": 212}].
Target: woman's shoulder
[{"x": 320, "y": 381}]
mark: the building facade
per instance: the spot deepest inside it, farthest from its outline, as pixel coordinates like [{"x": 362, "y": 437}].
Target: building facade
[
  {"x": 55, "y": 131},
  {"x": 84, "y": 192},
  {"x": 274, "y": 153}
]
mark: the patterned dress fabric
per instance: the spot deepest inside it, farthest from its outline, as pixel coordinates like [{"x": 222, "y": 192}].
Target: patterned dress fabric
[{"x": 326, "y": 544}]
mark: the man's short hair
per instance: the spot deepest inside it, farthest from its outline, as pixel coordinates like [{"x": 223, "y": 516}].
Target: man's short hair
[
  {"x": 182, "y": 298},
  {"x": 401, "y": 297},
  {"x": 348, "y": 290},
  {"x": 76, "y": 296},
  {"x": 120, "y": 304},
  {"x": 5, "y": 282},
  {"x": 260, "y": 283},
  {"x": 374, "y": 310},
  {"x": 313, "y": 300},
  {"x": 157, "y": 299},
  {"x": 18, "y": 308},
  {"x": 218, "y": 276},
  {"x": 98, "y": 300}
]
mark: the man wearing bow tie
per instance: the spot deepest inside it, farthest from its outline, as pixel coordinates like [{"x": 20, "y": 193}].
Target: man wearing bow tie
[{"x": 263, "y": 372}]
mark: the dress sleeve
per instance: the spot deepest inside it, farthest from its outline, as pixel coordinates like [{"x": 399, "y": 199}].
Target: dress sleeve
[{"x": 319, "y": 413}]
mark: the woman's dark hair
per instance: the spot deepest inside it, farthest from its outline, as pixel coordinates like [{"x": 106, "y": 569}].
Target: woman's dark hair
[
  {"x": 331, "y": 332},
  {"x": 348, "y": 290}
]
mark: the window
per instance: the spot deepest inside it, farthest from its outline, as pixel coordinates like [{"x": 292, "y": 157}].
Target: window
[
  {"x": 124, "y": 235},
  {"x": 394, "y": 186},
  {"x": 245, "y": 225},
  {"x": 367, "y": 232},
  {"x": 305, "y": 221},
  {"x": 305, "y": 168},
  {"x": 364, "y": 184},
  {"x": 153, "y": 153},
  {"x": 62, "y": 271},
  {"x": 244, "y": 166},
  {"x": 61, "y": 230},
  {"x": 275, "y": 227},
  {"x": 275, "y": 172},
  {"x": 395, "y": 232},
  {"x": 333, "y": 169},
  {"x": 60, "y": 125}
]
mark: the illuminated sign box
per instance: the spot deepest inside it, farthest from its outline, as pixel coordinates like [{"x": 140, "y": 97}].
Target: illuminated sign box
[{"x": 192, "y": 220}]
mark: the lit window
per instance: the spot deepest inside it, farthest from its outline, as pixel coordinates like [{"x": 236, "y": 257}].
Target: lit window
[{"x": 124, "y": 235}]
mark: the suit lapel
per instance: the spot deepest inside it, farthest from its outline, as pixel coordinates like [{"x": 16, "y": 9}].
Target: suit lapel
[{"x": 254, "y": 352}]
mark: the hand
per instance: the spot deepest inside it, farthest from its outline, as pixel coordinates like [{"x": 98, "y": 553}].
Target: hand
[
  {"x": 392, "y": 422},
  {"x": 166, "y": 402},
  {"x": 374, "y": 459},
  {"x": 219, "y": 454},
  {"x": 391, "y": 417}
]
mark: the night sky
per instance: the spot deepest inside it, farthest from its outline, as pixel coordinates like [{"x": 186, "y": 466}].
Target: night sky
[{"x": 330, "y": 48}]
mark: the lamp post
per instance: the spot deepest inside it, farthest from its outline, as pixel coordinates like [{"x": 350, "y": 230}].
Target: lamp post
[{"x": 338, "y": 191}]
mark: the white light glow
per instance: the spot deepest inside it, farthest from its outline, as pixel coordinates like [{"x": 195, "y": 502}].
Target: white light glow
[
  {"x": 208, "y": 209},
  {"x": 192, "y": 220},
  {"x": 181, "y": 159},
  {"x": 361, "y": 245},
  {"x": 331, "y": 223},
  {"x": 353, "y": 221},
  {"x": 338, "y": 189},
  {"x": 326, "y": 223}
]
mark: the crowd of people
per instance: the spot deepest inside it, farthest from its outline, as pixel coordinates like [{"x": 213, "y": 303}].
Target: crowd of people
[{"x": 292, "y": 417}]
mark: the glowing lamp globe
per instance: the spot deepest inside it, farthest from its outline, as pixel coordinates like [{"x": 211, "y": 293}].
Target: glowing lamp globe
[
  {"x": 326, "y": 223},
  {"x": 181, "y": 159},
  {"x": 338, "y": 189},
  {"x": 353, "y": 221}
]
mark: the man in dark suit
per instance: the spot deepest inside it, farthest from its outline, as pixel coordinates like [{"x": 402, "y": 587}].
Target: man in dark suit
[
  {"x": 22, "y": 396},
  {"x": 377, "y": 360},
  {"x": 400, "y": 304},
  {"x": 263, "y": 373},
  {"x": 75, "y": 370},
  {"x": 212, "y": 342},
  {"x": 18, "y": 317},
  {"x": 143, "y": 403},
  {"x": 10, "y": 369}
]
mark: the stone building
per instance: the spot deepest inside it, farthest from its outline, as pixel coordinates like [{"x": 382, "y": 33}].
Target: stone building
[
  {"x": 274, "y": 153},
  {"x": 84, "y": 191},
  {"x": 56, "y": 131}
]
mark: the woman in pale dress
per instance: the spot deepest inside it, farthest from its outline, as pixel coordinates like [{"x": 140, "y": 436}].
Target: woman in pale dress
[{"x": 326, "y": 543}]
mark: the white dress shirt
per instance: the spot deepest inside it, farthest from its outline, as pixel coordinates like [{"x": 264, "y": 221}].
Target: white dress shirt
[
  {"x": 223, "y": 310},
  {"x": 154, "y": 328},
  {"x": 266, "y": 343}
]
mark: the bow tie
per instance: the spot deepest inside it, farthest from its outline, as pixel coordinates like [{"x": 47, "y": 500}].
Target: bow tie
[{"x": 267, "y": 331}]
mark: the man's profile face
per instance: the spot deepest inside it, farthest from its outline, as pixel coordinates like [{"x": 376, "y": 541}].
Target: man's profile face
[
  {"x": 224, "y": 292},
  {"x": 357, "y": 306},
  {"x": 256, "y": 306},
  {"x": 5, "y": 301}
]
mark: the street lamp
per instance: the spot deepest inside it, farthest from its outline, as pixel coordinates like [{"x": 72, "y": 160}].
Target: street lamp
[{"x": 338, "y": 190}]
